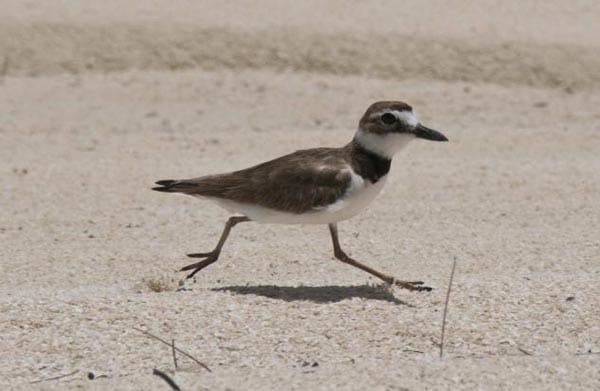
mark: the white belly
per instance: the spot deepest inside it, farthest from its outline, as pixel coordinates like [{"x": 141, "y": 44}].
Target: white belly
[{"x": 359, "y": 194}]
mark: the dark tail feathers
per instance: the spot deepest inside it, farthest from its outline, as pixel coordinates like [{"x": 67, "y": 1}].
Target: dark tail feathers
[{"x": 173, "y": 186}]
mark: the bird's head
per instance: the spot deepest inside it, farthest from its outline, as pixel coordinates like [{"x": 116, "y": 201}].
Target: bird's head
[{"x": 388, "y": 126}]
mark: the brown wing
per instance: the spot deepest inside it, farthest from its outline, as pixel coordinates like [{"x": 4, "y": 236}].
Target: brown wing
[{"x": 296, "y": 183}]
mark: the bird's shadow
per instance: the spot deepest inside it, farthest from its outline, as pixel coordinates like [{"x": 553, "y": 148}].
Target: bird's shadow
[{"x": 316, "y": 294}]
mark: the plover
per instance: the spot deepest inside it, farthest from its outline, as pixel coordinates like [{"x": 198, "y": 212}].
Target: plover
[{"x": 313, "y": 186}]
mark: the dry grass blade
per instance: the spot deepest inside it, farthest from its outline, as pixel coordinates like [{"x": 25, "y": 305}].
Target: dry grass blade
[
  {"x": 4, "y": 68},
  {"x": 525, "y": 352},
  {"x": 167, "y": 379},
  {"x": 586, "y": 353},
  {"x": 55, "y": 377},
  {"x": 174, "y": 353},
  {"x": 177, "y": 349},
  {"x": 446, "y": 309}
]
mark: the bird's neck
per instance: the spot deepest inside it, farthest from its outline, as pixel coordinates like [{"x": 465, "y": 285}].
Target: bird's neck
[
  {"x": 385, "y": 145},
  {"x": 368, "y": 164}
]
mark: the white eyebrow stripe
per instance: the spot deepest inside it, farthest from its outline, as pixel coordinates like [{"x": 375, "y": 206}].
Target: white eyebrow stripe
[{"x": 408, "y": 117}]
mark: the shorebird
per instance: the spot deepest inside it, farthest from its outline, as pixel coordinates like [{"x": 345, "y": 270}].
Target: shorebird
[{"x": 313, "y": 186}]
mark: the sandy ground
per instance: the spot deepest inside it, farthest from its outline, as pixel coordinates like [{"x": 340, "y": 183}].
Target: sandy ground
[{"x": 100, "y": 99}]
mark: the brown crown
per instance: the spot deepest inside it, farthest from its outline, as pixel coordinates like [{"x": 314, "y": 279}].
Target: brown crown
[{"x": 366, "y": 122}]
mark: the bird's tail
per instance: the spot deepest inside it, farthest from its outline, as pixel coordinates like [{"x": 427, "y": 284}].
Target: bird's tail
[{"x": 175, "y": 186}]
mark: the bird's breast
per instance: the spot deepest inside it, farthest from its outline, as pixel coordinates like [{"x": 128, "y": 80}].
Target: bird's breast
[{"x": 359, "y": 194}]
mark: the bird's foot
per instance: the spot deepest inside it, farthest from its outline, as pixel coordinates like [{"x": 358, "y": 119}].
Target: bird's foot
[
  {"x": 196, "y": 267},
  {"x": 411, "y": 285}
]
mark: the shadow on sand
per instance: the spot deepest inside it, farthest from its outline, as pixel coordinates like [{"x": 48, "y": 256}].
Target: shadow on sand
[{"x": 316, "y": 294}]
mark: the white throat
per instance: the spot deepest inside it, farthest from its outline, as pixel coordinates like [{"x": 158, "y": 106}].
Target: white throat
[{"x": 386, "y": 145}]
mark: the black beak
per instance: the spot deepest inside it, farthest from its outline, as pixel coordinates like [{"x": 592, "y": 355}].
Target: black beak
[{"x": 428, "y": 134}]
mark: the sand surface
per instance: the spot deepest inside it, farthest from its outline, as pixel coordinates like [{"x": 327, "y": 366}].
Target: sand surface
[{"x": 99, "y": 99}]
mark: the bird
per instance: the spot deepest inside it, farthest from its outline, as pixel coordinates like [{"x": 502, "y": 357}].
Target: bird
[{"x": 313, "y": 186}]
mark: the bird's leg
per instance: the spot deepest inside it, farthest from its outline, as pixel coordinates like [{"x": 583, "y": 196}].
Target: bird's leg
[
  {"x": 341, "y": 255},
  {"x": 212, "y": 256}
]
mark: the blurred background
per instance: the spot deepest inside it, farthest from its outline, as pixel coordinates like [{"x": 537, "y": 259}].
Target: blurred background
[{"x": 543, "y": 44}]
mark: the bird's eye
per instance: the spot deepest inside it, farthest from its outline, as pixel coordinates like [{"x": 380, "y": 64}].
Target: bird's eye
[{"x": 388, "y": 118}]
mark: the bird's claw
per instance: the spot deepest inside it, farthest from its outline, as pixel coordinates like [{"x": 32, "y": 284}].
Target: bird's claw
[
  {"x": 196, "y": 267},
  {"x": 411, "y": 285}
]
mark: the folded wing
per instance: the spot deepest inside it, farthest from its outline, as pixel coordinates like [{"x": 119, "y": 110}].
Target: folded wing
[{"x": 296, "y": 183}]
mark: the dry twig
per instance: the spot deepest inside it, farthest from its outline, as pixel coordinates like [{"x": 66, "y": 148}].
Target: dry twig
[
  {"x": 4, "y": 68},
  {"x": 167, "y": 379},
  {"x": 55, "y": 377},
  {"x": 174, "y": 353},
  {"x": 177, "y": 349},
  {"x": 525, "y": 352},
  {"x": 586, "y": 353},
  {"x": 446, "y": 309}
]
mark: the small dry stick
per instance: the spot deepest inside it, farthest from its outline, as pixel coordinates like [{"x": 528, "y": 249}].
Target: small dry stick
[
  {"x": 446, "y": 309},
  {"x": 586, "y": 353},
  {"x": 55, "y": 377},
  {"x": 167, "y": 379},
  {"x": 525, "y": 352},
  {"x": 4, "y": 69},
  {"x": 179, "y": 350},
  {"x": 174, "y": 354}
]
